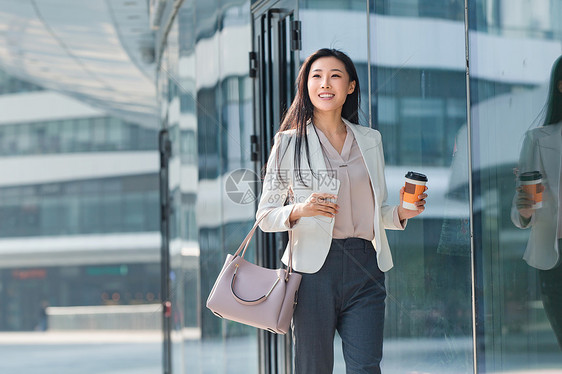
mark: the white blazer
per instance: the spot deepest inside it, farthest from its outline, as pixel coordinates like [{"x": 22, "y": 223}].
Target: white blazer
[
  {"x": 312, "y": 236},
  {"x": 541, "y": 151}
]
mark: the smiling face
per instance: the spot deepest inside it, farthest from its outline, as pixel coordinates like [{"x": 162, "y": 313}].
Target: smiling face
[{"x": 328, "y": 84}]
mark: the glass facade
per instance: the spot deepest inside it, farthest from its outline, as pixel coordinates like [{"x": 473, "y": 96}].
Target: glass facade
[
  {"x": 108, "y": 205},
  {"x": 79, "y": 222},
  {"x": 464, "y": 91},
  {"x": 206, "y": 99},
  {"x": 461, "y": 90},
  {"x": 460, "y": 297},
  {"x": 98, "y": 134},
  {"x": 79, "y": 193},
  {"x": 418, "y": 104},
  {"x": 516, "y": 312}
]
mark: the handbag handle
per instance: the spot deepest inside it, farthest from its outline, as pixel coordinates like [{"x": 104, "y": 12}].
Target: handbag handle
[
  {"x": 250, "y": 302},
  {"x": 246, "y": 242}
]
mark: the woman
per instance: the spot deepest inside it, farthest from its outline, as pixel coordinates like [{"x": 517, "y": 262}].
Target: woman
[
  {"x": 541, "y": 152},
  {"x": 320, "y": 154}
]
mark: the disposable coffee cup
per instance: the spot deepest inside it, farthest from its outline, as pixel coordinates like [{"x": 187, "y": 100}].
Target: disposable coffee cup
[
  {"x": 415, "y": 186},
  {"x": 532, "y": 185}
]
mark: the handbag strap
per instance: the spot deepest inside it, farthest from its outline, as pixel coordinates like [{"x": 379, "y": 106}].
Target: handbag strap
[{"x": 244, "y": 245}]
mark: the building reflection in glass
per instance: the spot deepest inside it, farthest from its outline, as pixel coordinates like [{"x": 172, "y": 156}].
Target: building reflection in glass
[{"x": 536, "y": 204}]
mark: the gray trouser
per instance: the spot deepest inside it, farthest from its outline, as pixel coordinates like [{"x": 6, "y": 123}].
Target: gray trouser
[{"x": 348, "y": 295}]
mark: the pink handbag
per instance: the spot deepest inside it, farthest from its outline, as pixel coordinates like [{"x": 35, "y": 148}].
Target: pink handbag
[{"x": 253, "y": 295}]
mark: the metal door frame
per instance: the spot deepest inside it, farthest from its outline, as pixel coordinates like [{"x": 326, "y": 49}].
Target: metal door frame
[
  {"x": 165, "y": 148},
  {"x": 273, "y": 65}
]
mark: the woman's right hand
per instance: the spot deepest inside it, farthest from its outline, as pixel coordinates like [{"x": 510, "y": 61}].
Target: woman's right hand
[
  {"x": 316, "y": 204},
  {"x": 524, "y": 203}
]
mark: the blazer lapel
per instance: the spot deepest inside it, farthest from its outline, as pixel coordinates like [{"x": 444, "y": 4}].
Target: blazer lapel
[
  {"x": 364, "y": 141},
  {"x": 316, "y": 155},
  {"x": 323, "y": 180},
  {"x": 366, "y": 146}
]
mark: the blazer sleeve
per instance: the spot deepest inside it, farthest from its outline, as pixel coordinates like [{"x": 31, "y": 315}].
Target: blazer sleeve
[
  {"x": 389, "y": 212},
  {"x": 528, "y": 161},
  {"x": 275, "y": 189}
]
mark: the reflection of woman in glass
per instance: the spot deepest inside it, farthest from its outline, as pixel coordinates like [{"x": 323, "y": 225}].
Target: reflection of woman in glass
[
  {"x": 340, "y": 248},
  {"x": 541, "y": 153}
]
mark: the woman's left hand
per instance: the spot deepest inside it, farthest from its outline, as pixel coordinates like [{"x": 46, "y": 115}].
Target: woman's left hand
[{"x": 404, "y": 213}]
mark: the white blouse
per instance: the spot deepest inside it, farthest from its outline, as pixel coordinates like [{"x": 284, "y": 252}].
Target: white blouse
[{"x": 356, "y": 215}]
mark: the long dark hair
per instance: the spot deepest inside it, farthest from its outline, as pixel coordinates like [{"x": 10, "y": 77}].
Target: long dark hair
[
  {"x": 554, "y": 102},
  {"x": 301, "y": 110}
]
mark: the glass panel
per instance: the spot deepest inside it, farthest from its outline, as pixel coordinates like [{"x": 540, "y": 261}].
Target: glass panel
[
  {"x": 53, "y": 138},
  {"x": 515, "y": 109},
  {"x": 52, "y": 216},
  {"x": 205, "y": 110},
  {"x": 24, "y": 142},
  {"x": 126, "y": 204},
  {"x": 99, "y": 133},
  {"x": 418, "y": 104},
  {"x": 115, "y": 134},
  {"x": 82, "y": 135},
  {"x": 83, "y": 140},
  {"x": 67, "y": 131},
  {"x": 416, "y": 97},
  {"x": 133, "y": 212},
  {"x": 323, "y": 27},
  {"x": 448, "y": 9},
  {"x": 10, "y": 141}
]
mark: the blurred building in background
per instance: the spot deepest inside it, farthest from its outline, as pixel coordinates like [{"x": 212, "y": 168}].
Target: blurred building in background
[
  {"x": 79, "y": 209},
  {"x": 79, "y": 192}
]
